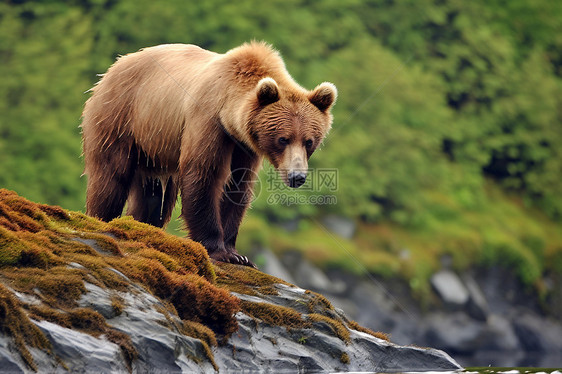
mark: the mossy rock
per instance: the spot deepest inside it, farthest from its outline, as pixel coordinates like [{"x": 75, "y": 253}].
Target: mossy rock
[
  {"x": 50, "y": 253},
  {"x": 51, "y": 259}
]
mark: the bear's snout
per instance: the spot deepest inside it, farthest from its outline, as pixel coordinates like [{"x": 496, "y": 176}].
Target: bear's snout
[{"x": 296, "y": 178}]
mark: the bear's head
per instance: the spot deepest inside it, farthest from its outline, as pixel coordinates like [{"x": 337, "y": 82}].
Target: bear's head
[{"x": 287, "y": 126}]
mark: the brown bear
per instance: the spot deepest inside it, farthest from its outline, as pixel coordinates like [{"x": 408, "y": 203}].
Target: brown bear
[{"x": 178, "y": 117}]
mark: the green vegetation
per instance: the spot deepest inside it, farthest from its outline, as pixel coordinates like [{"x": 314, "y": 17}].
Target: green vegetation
[{"x": 446, "y": 137}]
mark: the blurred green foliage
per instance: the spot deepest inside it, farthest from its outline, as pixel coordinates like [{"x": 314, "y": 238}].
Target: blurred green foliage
[{"x": 449, "y": 112}]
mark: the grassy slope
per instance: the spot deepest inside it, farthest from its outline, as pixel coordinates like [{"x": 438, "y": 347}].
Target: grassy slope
[{"x": 501, "y": 231}]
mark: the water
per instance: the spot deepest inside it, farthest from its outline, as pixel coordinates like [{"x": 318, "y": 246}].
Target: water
[
  {"x": 478, "y": 370},
  {"x": 491, "y": 370}
]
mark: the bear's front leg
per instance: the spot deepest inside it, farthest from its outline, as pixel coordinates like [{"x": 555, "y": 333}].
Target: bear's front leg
[
  {"x": 201, "y": 193},
  {"x": 238, "y": 194}
]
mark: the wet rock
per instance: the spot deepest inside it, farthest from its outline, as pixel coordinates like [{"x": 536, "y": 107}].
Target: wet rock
[
  {"x": 272, "y": 266},
  {"x": 82, "y": 352},
  {"x": 309, "y": 276},
  {"x": 536, "y": 333},
  {"x": 500, "y": 335},
  {"x": 155, "y": 336},
  {"x": 450, "y": 288},
  {"x": 9, "y": 362},
  {"x": 316, "y": 349},
  {"x": 98, "y": 299},
  {"x": 257, "y": 345},
  {"x": 455, "y": 333},
  {"x": 477, "y": 306}
]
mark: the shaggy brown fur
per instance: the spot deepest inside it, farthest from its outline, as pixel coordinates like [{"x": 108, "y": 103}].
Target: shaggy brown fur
[{"x": 179, "y": 118}]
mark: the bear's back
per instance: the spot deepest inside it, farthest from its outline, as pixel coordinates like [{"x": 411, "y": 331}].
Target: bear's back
[{"x": 166, "y": 80}]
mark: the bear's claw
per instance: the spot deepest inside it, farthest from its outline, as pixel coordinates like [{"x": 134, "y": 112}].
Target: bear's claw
[
  {"x": 234, "y": 258},
  {"x": 242, "y": 260}
]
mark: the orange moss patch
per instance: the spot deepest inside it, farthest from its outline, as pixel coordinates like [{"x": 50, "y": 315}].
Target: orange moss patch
[
  {"x": 59, "y": 286},
  {"x": 318, "y": 303},
  {"x": 191, "y": 255},
  {"x": 125, "y": 344},
  {"x": 246, "y": 280},
  {"x": 50, "y": 253},
  {"x": 381, "y": 335},
  {"x": 117, "y": 305},
  {"x": 19, "y": 214},
  {"x": 205, "y": 335},
  {"x": 199, "y": 331},
  {"x": 337, "y": 327},
  {"x": 275, "y": 315},
  {"x": 193, "y": 297}
]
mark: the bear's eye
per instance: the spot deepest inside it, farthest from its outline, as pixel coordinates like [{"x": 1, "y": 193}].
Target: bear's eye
[
  {"x": 283, "y": 141},
  {"x": 308, "y": 143}
]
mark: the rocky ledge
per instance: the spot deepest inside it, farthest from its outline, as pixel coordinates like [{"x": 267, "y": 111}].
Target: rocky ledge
[{"x": 80, "y": 295}]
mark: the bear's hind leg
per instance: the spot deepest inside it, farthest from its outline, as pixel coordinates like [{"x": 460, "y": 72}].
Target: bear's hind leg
[
  {"x": 152, "y": 199},
  {"x": 110, "y": 173}
]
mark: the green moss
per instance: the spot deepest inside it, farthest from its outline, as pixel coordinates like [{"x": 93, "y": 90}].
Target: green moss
[
  {"x": 10, "y": 247},
  {"x": 169, "y": 262},
  {"x": 62, "y": 286},
  {"x": 190, "y": 255}
]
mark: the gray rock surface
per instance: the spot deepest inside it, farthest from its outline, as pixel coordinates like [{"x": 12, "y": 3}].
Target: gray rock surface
[
  {"x": 82, "y": 353},
  {"x": 264, "y": 347},
  {"x": 255, "y": 347},
  {"x": 482, "y": 317},
  {"x": 450, "y": 288},
  {"x": 477, "y": 305}
]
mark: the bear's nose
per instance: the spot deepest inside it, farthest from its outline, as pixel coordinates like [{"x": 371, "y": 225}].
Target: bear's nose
[{"x": 296, "y": 178}]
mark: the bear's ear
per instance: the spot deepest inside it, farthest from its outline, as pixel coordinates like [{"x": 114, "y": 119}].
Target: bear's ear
[
  {"x": 323, "y": 96},
  {"x": 267, "y": 91}
]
